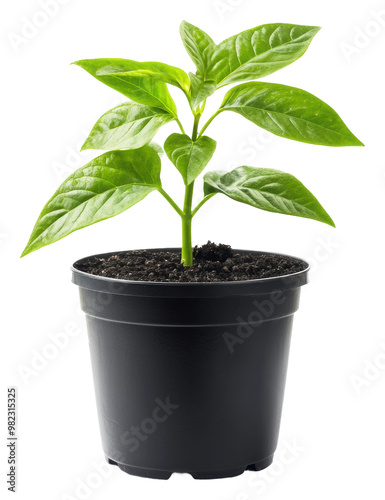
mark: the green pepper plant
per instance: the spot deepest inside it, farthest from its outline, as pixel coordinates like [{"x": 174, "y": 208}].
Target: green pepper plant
[{"x": 130, "y": 168}]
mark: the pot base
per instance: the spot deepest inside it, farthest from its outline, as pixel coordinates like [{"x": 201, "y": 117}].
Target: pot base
[{"x": 217, "y": 474}]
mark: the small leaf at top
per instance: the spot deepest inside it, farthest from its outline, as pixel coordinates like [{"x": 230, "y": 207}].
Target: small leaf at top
[
  {"x": 199, "y": 46},
  {"x": 258, "y": 52},
  {"x": 189, "y": 157}
]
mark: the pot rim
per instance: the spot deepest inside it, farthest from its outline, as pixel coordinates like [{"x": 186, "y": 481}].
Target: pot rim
[{"x": 133, "y": 287}]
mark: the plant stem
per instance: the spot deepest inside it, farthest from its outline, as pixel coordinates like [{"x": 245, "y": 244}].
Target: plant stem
[
  {"x": 180, "y": 125},
  {"x": 209, "y": 121},
  {"x": 195, "y": 128},
  {"x": 171, "y": 201},
  {"x": 206, "y": 198},
  {"x": 187, "y": 254}
]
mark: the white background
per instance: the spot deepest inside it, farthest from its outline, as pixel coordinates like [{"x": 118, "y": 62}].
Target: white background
[{"x": 334, "y": 408}]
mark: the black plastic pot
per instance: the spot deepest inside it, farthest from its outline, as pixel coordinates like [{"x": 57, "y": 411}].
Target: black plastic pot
[{"x": 189, "y": 377}]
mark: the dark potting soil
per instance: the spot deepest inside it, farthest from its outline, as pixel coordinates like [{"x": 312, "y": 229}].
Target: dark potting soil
[{"x": 212, "y": 263}]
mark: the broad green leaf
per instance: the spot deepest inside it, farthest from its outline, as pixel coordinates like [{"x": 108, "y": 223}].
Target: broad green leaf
[
  {"x": 149, "y": 91},
  {"x": 199, "y": 46},
  {"x": 200, "y": 89},
  {"x": 258, "y": 52},
  {"x": 106, "y": 186},
  {"x": 189, "y": 157},
  {"x": 289, "y": 112},
  {"x": 161, "y": 71},
  {"x": 267, "y": 189},
  {"x": 128, "y": 126}
]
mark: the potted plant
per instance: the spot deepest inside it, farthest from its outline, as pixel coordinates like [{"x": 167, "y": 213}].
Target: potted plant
[{"x": 190, "y": 350}]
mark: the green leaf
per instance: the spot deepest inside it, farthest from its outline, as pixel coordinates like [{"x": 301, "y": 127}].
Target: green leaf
[
  {"x": 258, "y": 52},
  {"x": 267, "y": 189},
  {"x": 161, "y": 71},
  {"x": 289, "y": 112},
  {"x": 189, "y": 157},
  {"x": 200, "y": 89},
  {"x": 149, "y": 91},
  {"x": 199, "y": 46},
  {"x": 157, "y": 148},
  {"x": 249, "y": 55},
  {"x": 106, "y": 186},
  {"x": 128, "y": 126}
]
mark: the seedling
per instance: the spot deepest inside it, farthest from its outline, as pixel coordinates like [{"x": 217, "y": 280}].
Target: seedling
[{"x": 131, "y": 167}]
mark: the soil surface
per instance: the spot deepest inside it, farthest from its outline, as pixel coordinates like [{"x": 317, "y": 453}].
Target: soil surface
[{"x": 212, "y": 263}]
